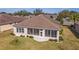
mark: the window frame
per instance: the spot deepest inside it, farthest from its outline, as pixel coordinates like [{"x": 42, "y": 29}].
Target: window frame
[{"x": 20, "y": 30}]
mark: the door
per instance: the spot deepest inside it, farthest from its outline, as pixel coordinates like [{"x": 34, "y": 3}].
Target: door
[{"x": 41, "y": 32}]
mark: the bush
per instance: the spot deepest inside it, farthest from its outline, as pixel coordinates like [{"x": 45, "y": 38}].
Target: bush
[
  {"x": 52, "y": 40},
  {"x": 72, "y": 26},
  {"x": 22, "y": 36},
  {"x": 30, "y": 36},
  {"x": 61, "y": 38},
  {"x": 61, "y": 31},
  {"x": 61, "y": 21},
  {"x": 12, "y": 34},
  {"x": 27, "y": 36}
]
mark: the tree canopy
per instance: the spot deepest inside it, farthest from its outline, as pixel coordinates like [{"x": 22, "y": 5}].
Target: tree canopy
[
  {"x": 22, "y": 12},
  {"x": 73, "y": 15},
  {"x": 38, "y": 11}
]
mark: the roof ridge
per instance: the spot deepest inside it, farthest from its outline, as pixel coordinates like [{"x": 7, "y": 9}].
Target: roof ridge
[{"x": 53, "y": 24}]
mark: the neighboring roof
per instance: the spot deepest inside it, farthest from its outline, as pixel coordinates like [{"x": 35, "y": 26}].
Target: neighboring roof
[
  {"x": 77, "y": 22},
  {"x": 40, "y": 22},
  {"x": 50, "y": 16},
  {"x": 6, "y": 19}
]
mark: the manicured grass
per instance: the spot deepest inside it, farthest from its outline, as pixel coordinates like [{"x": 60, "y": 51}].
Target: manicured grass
[
  {"x": 8, "y": 42},
  {"x": 11, "y": 42}
]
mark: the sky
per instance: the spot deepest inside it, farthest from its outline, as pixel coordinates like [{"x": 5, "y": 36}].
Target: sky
[{"x": 47, "y": 10}]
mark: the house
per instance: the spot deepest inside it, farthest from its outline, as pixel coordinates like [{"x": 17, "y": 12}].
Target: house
[
  {"x": 76, "y": 26},
  {"x": 40, "y": 27},
  {"x": 67, "y": 21},
  {"x": 7, "y": 21},
  {"x": 50, "y": 16}
]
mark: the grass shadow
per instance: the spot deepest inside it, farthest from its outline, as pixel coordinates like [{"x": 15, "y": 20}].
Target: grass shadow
[
  {"x": 60, "y": 39},
  {"x": 74, "y": 32}
]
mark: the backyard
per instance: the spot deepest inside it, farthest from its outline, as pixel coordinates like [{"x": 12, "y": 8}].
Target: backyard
[{"x": 10, "y": 42}]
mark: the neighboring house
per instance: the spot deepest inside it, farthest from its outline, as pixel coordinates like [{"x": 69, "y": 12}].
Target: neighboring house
[
  {"x": 76, "y": 26},
  {"x": 67, "y": 21},
  {"x": 51, "y": 16},
  {"x": 7, "y": 21},
  {"x": 39, "y": 27}
]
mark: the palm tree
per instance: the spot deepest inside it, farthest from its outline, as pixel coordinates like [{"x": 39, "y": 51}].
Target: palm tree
[
  {"x": 38, "y": 11},
  {"x": 74, "y": 17}
]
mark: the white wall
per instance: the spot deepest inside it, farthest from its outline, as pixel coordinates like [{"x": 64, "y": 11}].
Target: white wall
[
  {"x": 77, "y": 28},
  {"x": 18, "y": 34},
  {"x": 6, "y": 27},
  {"x": 36, "y": 37}
]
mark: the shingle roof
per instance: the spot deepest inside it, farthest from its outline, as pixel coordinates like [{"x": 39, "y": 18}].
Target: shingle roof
[
  {"x": 77, "y": 22},
  {"x": 6, "y": 19},
  {"x": 40, "y": 22}
]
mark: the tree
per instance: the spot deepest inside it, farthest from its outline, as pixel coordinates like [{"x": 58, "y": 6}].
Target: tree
[
  {"x": 38, "y": 11},
  {"x": 63, "y": 14},
  {"x": 3, "y": 13},
  {"x": 22, "y": 12},
  {"x": 73, "y": 15}
]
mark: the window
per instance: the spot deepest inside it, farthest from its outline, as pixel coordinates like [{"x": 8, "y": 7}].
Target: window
[
  {"x": 20, "y": 30},
  {"x": 33, "y": 31},
  {"x": 36, "y": 31},
  {"x": 41, "y": 29},
  {"x": 50, "y": 33},
  {"x": 30, "y": 31},
  {"x": 47, "y": 33},
  {"x": 53, "y": 33},
  {"x": 17, "y": 30},
  {"x": 41, "y": 34}
]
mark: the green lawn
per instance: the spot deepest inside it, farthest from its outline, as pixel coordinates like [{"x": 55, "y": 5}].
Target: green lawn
[{"x": 8, "y": 42}]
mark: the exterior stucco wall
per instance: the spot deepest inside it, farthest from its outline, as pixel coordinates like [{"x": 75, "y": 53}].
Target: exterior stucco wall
[
  {"x": 66, "y": 22},
  {"x": 6, "y": 27},
  {"x": 77, "y": 28},
  {"x": 36, "y": 37},
  {"x": 19, "y": 34}
]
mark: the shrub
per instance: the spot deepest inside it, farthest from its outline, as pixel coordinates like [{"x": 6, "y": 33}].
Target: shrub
[
  {"x": 52, "y": 40},
  {"x": 27, "y": 36},
  {"x": 72, "y": 26},
  {"x": 61, "y": 38},
  {"x": 61, "y": 31},
  {"x": 22, "y": 36},
  {"x": 12, "y": 34},
  {"x": 30, "y": 36}
]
